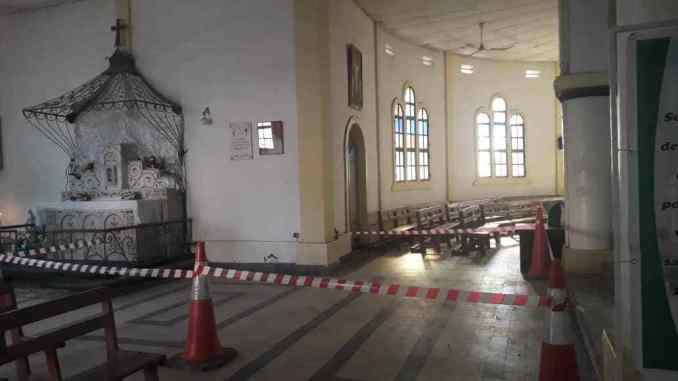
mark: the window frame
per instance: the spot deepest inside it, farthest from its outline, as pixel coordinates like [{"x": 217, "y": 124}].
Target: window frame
[
  {"x": 493, "y": 129},
  {"x": 507, "y": 151},
  {"x": 411, "y": 144},
  {"x": 397, "y": 112},
  {"x": 421, "y": 137},
  {"x": 522, "y": 151},
  {"x": 412, "y": 147},
  {"x": 478, "y": 150}
]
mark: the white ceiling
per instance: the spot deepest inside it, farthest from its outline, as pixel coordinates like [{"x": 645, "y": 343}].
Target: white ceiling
[
  {"x": 449, "y": 25},
  {"x": 14, "y": 6},
  {"x": 532, "y": 25}
]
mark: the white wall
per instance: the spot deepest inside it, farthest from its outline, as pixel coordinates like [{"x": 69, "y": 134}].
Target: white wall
[
  {"x": 406, "y": 67},
  {"x": 235, "y": 57},
  {"x": 534, "y": 98},
  {"x": 350, "y": 25},
  {"x": 44, "y": 54}
]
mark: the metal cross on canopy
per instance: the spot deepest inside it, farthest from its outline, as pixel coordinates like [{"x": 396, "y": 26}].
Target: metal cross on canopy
[{"x": 117, "y": 28}]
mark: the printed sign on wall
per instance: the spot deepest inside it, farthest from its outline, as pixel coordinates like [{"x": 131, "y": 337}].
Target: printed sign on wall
[{"x": 241, "y": 141}]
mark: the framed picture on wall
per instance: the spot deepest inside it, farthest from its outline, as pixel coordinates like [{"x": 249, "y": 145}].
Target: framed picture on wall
[{"x": 355, "y": 77}]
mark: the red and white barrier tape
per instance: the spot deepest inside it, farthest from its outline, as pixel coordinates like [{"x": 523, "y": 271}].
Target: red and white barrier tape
[
  {"x": 55, "y": 248},
  {"x": 416, "y": 233},
  {"x": 438, "y": 231},
  {"x": 376, "y": 288}
]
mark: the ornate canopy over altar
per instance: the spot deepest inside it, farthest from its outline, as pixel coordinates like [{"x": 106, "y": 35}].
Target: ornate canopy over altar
[
  {"x": 113, "y": 128},
  {"x": 125, "y": 146}
]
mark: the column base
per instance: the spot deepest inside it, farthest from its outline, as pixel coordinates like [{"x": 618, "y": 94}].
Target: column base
[
  {"x": 617, "y": 363},
  {"x": 580, "y": 261}
]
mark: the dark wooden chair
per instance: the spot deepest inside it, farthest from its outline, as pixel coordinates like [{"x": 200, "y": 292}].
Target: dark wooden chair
[
  {"x": 8, "y": 303},
  {"x": 119, "y": 363}
]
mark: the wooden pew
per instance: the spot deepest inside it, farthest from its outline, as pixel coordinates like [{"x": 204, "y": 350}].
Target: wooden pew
[
  {"x": 119, "y": 363},
  {"x": 494, "y": 210},
  {"x": 522, "y": 210},
  {"x": 471, "y": 215},
  {"x": 429, "y": 217},
  {"x": 8, "y": 303},
  {"x": 397, "y": 220}
]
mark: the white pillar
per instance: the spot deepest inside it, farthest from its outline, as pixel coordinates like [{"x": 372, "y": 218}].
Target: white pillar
[
  {"x": 583, "y": 90},
  {"x": 587, "y": 166}
]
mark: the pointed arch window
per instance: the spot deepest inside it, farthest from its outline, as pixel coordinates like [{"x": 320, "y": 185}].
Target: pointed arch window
[
  {"x": 500, "y": 142},
  {"x": 500, "y": 156},
  {"x": 399, "y": 141},
  {"x": 410, "y": 135},
  {"x": 517, "y": 145},
  {"x": 484, "y": 145},
  {"x": 422, "y": 145},
  {"x": 411, "y": 128}
]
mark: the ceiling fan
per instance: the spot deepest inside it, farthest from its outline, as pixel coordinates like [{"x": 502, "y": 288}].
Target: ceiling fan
[{"x": 481, "y": 47}]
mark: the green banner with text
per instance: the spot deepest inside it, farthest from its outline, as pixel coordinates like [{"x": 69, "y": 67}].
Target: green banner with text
[{"x": 657, "y": 133}]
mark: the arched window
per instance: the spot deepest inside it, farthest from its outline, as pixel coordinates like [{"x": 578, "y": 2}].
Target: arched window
[
  {"x": 410, "y": 135},
  {"x": 517, "y": 145},
  {"x": 484, "y": 145},
  {"x": 411, "y": 129},
  {"x": 495, "y": 155},
  {"x": 422, "y": 142},
  {"x": 499, "y": 137},
  {"x": 399, "y": 141}
]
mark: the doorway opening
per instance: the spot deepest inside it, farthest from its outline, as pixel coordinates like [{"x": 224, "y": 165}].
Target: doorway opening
[{"x": 356, "y": 179}]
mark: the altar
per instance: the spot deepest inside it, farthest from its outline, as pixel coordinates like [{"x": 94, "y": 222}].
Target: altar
[{"x": 124, "y": 177}]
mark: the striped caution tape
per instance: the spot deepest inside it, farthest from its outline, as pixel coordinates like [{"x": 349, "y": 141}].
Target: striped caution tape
[
  {"x": 375, "y": 288},
  {"x": 437, "y": 232},
  {"x": 64, "y": 247},
  {"x": 54, "y": 249}
]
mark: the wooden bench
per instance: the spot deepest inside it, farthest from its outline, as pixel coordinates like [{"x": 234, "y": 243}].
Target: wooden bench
[
  {"x": 397, "y": 220},
  {"x": 471, "y": 215},
  {"x": 522, "y": 210},
  {"x": 494, "y": 210},
  {"x": 8, "y": 303},
  {"x": 454, "y": 219},
  {"x": 429, "y": 217},
  {"x": 119, "y": 363}
]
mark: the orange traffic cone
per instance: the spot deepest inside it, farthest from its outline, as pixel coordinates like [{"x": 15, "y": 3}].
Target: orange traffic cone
[
  {"x": 203, "y": 350},
  {"x": 556, "y": 284},
  {"x": 558, "y": 355},
  {"x": 540, "y": 262}
]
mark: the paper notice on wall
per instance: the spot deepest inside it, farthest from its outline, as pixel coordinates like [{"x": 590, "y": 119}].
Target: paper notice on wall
[{"x": 241, "y": 141}]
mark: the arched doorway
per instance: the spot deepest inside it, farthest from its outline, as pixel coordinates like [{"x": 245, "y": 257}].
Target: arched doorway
[{"x": 356, "y": 178}]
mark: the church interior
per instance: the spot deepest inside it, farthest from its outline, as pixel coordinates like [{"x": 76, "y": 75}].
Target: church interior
[{"x": 340, "y": 190}]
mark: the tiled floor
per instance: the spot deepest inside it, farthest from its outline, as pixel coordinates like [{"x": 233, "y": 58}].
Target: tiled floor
[{"x": 284, "y": 333}]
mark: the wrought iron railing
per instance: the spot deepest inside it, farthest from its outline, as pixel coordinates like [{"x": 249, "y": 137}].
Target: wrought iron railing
[
  {"x": 142, "y": 243},
  {"x": 17, "y": 237}
]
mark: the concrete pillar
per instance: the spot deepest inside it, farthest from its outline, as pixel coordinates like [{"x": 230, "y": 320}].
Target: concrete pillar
[
  {"x": 587, "y": 163},
  {"x": 583, "y": 90}
]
